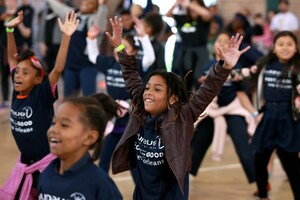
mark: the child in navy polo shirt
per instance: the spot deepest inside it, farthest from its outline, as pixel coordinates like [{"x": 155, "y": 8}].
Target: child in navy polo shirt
[
  {"x": 278, "y": 88},
  {"x": 32, "y": 104},
  {"x": 80, "y": 73},
  {"x": 77, "y": 128},
  {"x": 158, "y": 136}
]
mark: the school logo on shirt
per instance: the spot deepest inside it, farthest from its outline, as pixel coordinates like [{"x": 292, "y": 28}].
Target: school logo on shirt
[
  {"x": 189, "y": 27},
  {"x": 272, "y": 79},
  {"x": 74, "y": 196},
  {"x": 77, "y": 196},
  {"x": 21, "y": 120},
  {"x": 150, "y": 150}
]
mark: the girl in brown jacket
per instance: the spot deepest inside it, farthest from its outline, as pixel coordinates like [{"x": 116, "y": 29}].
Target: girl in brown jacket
[{"x": 157, "y": 139}]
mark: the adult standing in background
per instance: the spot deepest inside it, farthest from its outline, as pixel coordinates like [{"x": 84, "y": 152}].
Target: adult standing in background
[
  {"x": 192, "y": 21},
  {"x": 284, "y": 20},
  {"x": 80, "y": 73}
]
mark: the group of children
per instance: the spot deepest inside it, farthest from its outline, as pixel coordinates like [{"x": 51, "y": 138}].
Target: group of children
[{"x": 58, "y": 149}]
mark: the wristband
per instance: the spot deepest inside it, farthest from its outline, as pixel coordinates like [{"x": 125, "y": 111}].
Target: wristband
[
  {"x": 120, "y": 47},
  {"x": 9, "y": 30}
]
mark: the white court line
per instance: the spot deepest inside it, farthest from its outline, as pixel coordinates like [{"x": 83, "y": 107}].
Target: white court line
[
  {"x": 202, "y": 169},
  {"x": 219, "y": 168}
]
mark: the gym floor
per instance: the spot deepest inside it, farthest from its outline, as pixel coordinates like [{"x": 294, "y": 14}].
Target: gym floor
[{"x": 216, "y": 180}]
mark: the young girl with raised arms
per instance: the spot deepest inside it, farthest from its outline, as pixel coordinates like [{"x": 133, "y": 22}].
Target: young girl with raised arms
[
  {"x": 77, "y": 128},
  {"x": 159, "y": 132},
  {"x": 32, "y": 108},
  {"x": 115, "y": 84}
]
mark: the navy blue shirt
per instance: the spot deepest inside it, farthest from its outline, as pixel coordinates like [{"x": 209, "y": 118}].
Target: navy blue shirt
[
  {"x": 155, "y": 179},
  {"x": 84, "y": 180},
  {"x": 77, "y": 55},
  {"x": 250, "y": 57},
  {"x": 30, "y": 119},
  {"x": 115, "y": 86},
  {"x": 229, "y": 89},
  {"x": 276, "y": 89}
]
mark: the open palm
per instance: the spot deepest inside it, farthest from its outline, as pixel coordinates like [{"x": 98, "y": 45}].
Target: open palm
[
  {"x": 70, "y": 25},
  {"x": 139, "y": 27},
  {"x": 117, "y": 26},
  {"x": 232, "y": 55}
]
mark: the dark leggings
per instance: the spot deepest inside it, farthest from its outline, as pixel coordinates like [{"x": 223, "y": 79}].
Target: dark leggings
[
  {"x": 4, "y": 81},
  {"x": 237, "y": 130},
  {"x": 201, "y": 141},
  {"x": 290, "y": 163},
  {"x": 109, "y": 146}
]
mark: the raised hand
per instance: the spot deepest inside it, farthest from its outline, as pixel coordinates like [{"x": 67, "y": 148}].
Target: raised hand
[
  {"x": 232, "y": 55},
  {"x": 102, "y": 2},
  {"x": 139, "y": 27},
  {"x": 70, "y": 25},
  {"x": 117, "y": 27},
  {"x": 16, "y": 21},
  {"x": 93, "y": 32}
]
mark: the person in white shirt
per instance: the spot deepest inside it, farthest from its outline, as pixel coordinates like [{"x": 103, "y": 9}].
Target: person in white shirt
[{"x": 285, "y": 20}]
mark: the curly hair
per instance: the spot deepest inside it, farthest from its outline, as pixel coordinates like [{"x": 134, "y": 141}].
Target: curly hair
[{"x": 175, "y": 86}]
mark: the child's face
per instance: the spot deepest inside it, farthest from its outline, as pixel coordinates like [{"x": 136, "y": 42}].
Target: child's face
[
  {"x": 155, "y": 95},
  {"x": 285, "y": 48},
  {"x": 221, "y": 42},
  {"x": 26, "y": 77},
  {"x": 68, "y": 136},
  {"x": 88, "y": 6}
]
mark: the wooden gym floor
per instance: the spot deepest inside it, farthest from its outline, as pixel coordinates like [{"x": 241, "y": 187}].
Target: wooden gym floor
[{"x": 223, "y": 180}]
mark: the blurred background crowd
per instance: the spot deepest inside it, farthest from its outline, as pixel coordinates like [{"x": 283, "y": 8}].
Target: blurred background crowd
[{"x": 253, "y": 19}]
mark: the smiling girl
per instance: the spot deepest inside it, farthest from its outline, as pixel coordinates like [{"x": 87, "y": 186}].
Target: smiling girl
[
  {"x": 279, "y": 76},
  {"x": 32, "y": 107},
  {"x": 77, "y": 128},
  {"x": 159, "y": 132}
]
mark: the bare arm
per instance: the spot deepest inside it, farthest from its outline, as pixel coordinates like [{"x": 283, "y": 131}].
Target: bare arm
[
  {"x": 245, "y": 101},
  {"x": 170, "y": 11},
  {"x": 200, "y": 10},
  {"x": 25, "y": 31},
  {"x": 59, "y": 8},
  {"x": 67, "y": 29},
  {"x": 11, "y": 42},
  {"x": 99, "y": 18}
]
